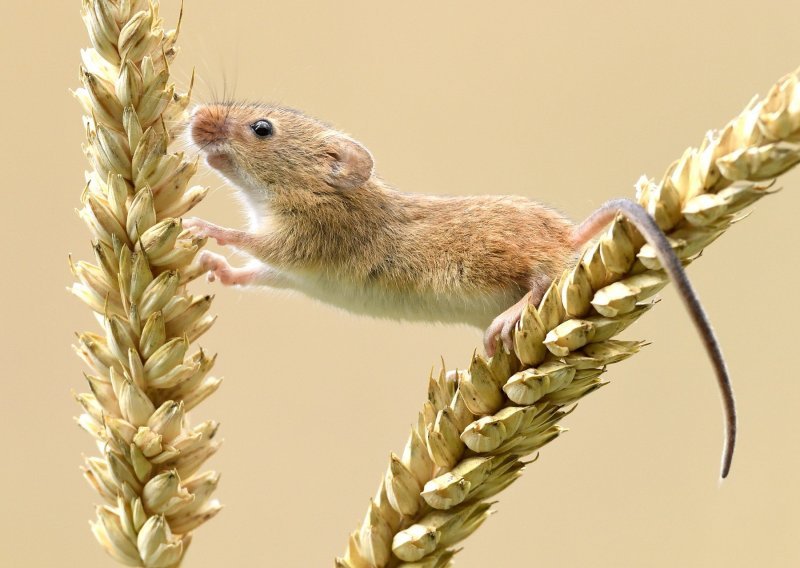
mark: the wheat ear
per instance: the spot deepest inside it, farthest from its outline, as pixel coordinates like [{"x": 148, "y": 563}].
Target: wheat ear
[
  {"x": 144, "y": 376},
  {"x": 477, "y": 425}
]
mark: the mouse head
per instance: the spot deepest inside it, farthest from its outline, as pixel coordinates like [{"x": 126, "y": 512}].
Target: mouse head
[{"x": 260, "y": 146}]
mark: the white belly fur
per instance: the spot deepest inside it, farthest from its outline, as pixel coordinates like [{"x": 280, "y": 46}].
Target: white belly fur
[{"x": 376, "y": 301}]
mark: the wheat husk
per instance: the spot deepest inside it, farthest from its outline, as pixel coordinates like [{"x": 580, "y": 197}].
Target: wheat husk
[{"x": 145, "y": 374}]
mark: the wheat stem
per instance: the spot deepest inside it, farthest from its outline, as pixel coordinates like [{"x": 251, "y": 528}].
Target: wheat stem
[
  {"x": 477, "y": 425},
  {"x": 144, "y": 376}
]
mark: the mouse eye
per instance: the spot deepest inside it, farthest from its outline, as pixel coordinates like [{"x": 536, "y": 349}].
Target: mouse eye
[{"x": 262, "y": 128}]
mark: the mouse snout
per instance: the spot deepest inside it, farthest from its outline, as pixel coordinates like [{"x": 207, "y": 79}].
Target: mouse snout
[{"x": 209, "y": 124}]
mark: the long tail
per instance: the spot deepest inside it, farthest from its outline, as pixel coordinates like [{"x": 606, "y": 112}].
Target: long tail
[{"x": 647, "y": 226}]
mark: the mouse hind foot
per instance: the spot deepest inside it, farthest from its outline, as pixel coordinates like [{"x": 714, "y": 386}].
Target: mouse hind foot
[{"x": 500, "y": 331}]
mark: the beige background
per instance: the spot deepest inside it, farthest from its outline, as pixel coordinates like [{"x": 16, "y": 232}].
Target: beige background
[{"x": 568, "y": 105}]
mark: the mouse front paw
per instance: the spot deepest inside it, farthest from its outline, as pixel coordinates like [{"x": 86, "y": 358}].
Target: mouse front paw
[
  {"x": 218, "y": 268},
  {"x": 206, "y": 230}
]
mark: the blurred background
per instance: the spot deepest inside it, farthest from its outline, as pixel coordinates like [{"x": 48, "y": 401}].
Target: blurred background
[{"x": 566, "y": 104}]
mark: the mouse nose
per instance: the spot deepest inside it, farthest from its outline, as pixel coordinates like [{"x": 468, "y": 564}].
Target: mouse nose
[{"x": 209, "y": 124}]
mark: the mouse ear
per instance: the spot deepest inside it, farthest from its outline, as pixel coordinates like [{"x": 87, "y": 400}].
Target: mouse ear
[{"x": 349, "y": 164}]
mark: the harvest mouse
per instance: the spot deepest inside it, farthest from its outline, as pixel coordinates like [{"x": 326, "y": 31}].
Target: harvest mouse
[{"x": 323, "y": 223}]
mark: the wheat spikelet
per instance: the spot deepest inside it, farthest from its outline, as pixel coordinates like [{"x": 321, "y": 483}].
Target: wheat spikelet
[
  {"x": 144, "y": 378},
  {"x": 477, "y": 425}
]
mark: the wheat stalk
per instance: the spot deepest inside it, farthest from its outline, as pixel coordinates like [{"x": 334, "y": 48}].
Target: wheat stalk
[
  {"x": 477, "y": 425},
  {"x": 144, "y": 378}
]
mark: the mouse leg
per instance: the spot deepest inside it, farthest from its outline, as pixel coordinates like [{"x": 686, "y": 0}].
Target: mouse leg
[
  {"x": 264, "y": 248},
  {"x": 218, "y": 267},
  {"x": 504, "y": 324},
  {"x": 254, "y": 272},
  {"x": 204, "y": 229}
]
